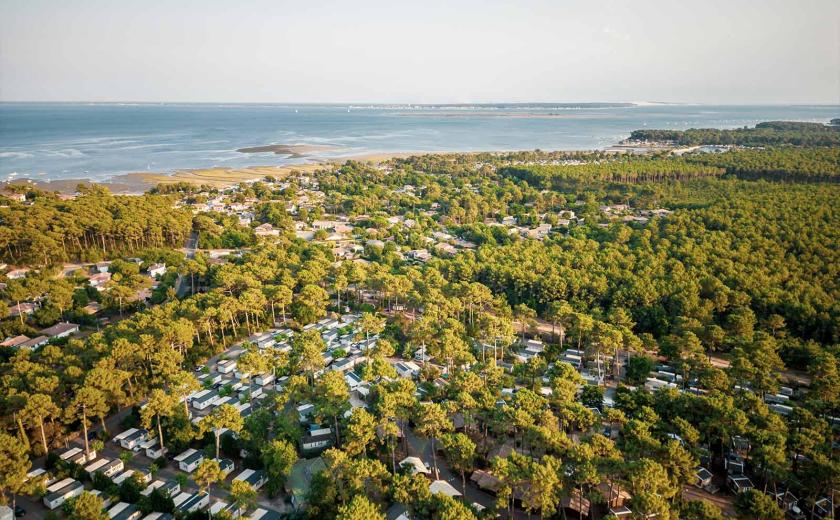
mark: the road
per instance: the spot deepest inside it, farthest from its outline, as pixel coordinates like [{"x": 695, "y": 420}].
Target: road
[{"x": 182, "y": 285}]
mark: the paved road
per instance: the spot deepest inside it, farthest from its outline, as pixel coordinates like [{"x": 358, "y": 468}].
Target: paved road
[{"x": 182, "y": 285}]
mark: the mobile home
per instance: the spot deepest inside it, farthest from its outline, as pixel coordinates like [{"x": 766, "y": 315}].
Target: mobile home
[
  {"x": 189, "y": 460},
  {"x": 58, "y": 495},
  {"x": 255, "y": 477}
]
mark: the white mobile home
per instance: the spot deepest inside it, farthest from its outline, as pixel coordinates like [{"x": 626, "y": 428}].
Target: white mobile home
[
  {"x": 189, "y": 460},
  {"x": 255, "y": 477},
  {"x": 58, "y": 495},
  {"x": 203, "y": 399},
  {"x": 230, "y": 509},
  {"x": 77, "y": 455},
  {"x": 124, "y": 511},
  {"x": 226, "y": 366},
  {"x": 134, "y": 439},
  {"x": 171, "y": 488},
  {"x": 194, "y": 503},
  {"x": 153, "y": 449}
]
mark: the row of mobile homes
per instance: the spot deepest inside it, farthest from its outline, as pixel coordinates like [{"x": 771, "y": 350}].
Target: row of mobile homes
[{"x": 62, "y": 491}]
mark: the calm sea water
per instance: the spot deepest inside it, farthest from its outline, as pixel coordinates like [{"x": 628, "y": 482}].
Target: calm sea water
[{"x": 96, "y": 141}]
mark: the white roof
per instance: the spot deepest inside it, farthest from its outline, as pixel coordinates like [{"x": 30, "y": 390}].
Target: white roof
[{"x": 442, "y": 486}]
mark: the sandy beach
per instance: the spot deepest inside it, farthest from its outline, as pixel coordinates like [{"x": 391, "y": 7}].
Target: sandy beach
[{"x": 140, "y": 182}]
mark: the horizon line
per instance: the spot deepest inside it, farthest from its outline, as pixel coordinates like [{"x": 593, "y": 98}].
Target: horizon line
[{"x": 424, "y": 104}]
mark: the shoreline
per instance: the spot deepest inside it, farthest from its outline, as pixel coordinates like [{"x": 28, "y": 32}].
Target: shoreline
[{"x": 137, "y": 183}]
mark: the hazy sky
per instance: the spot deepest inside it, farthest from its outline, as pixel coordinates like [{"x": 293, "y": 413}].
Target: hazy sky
[{"x": 728, "y": 51}]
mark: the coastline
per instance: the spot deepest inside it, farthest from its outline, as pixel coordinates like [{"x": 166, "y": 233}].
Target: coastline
[
  {"x": 137, "y": 183},
  {"x": 218, "y": 177}
]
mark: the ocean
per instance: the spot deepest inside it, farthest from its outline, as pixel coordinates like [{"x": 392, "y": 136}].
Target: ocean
[{"x": 53, "y": 141}]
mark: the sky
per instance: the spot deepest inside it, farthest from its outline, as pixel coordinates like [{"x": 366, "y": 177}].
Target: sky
[{"x": 434, "y": 51}]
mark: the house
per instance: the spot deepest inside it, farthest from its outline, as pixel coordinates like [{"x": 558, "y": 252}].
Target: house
[
  {"x": 445, "y": 249},
  {"x": 33, "y": 343},
  {"x": 15, "y": 341},
  {"x": 442, "y": 486},
  {"x": 738, "y": 483},
  {"x": 62, "y": 491},
  {"x": 407, "y": 369},
  {"x": 317, "y": 439},
  {"x": 255, "y": 477},
  {"x": 266, "y": 230},
  {"x": 702, "y": 477},
  {"x": 420, "y": 255},
  {"x": 157, "y": 270},
  {"x": 24, "y": 308},
  {"x": 92, "y": 308},
  {"x": 17, "y": 274},
  {"x": 99, "y": 280},
  {"x": 103, "y": 267},
  {"x": 415, "y": 465},
  {"x": 189, "y": 460},
  {"x": 60, "y": 330}
]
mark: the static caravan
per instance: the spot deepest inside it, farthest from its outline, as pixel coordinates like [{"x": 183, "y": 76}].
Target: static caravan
[
  {"x": 39, "y": 473},
  {"x": 264, "y": 514},
  {"x": 226, "y": 465},
  {"x": 124, "y": 511},
  {"x": 194, "y": 503},
  {"x": 203, "y": 399},
  {"x": 230, "y": 509},
  {"x": 134, "y": 440},
  {"x": 171, "y": 488},
  {"x": 122, "y": 477},
  {"x": 226, "y": 366},
  {"x": 77, "y": 455},
  {"x": 255, "y": 477},
  {"x": 58, "y": 495},
  {"x": 264, "y": 379},
  {"x": 153, "y": 449},
  {"x": 111, "y": 467},
  {"x": 189, "y": 460},
  {"x": 180, "y": 498},
  {"x": 158, "y": 516},
  {"x": 317, "y": 440},
  {"x": 120, "y": 436}
]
